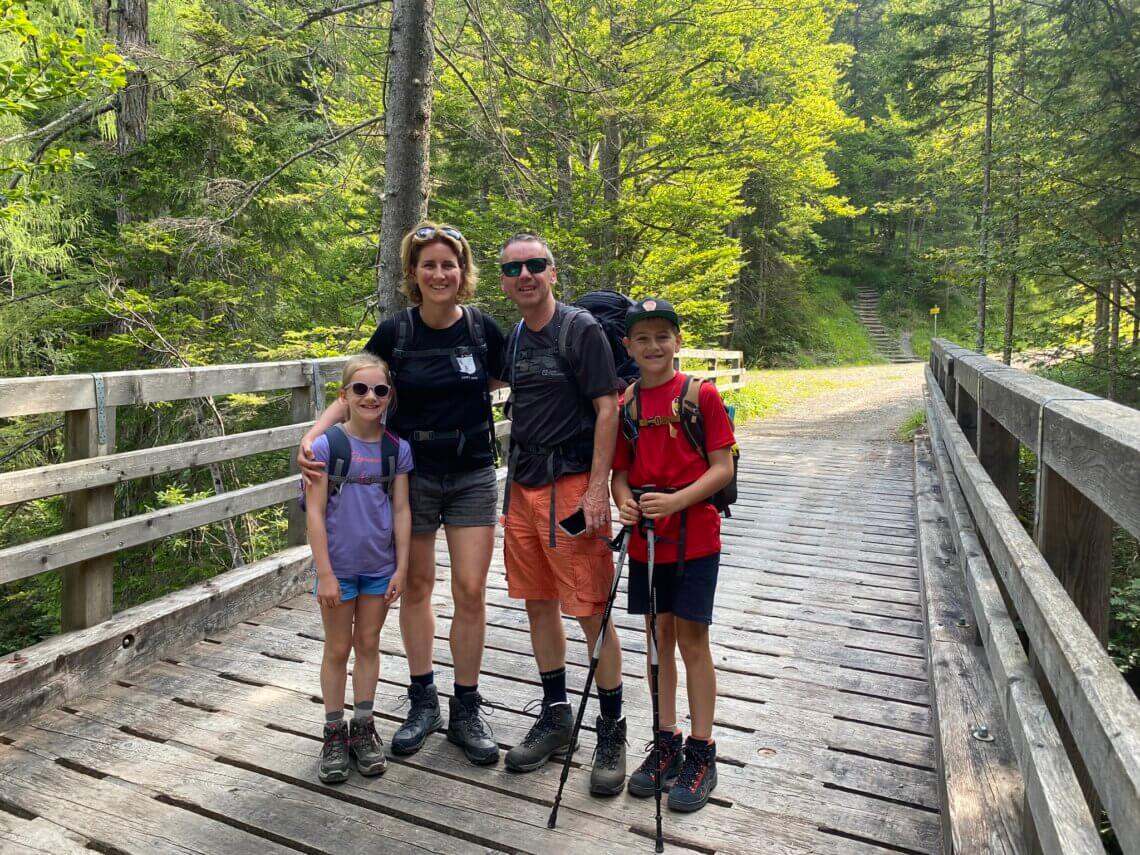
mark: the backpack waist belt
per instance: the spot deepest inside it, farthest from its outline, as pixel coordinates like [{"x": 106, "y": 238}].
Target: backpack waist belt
[{"x": 457, "y": 434}]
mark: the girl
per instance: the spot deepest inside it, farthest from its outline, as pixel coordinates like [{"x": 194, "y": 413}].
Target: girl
[
  {"x": 444, "y": 354},
  {"x": 359, "y": 526}
]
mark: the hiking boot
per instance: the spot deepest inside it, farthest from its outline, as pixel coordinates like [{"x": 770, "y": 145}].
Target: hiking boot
[
  {"x": 333, "y": 767},
  {"x": 642, "y": 782},
  {"x": 467, "y": 728},
  {"x": 697, "y": 778},
  {"x": 423, "y": 718},
  {"x": 607, "y": 778},
  {"x": 550, "y": 735},
  {"x": 365, "y": 747}
]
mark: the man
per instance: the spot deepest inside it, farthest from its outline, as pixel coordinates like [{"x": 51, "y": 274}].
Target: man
[{"x": 564, "y": 420}]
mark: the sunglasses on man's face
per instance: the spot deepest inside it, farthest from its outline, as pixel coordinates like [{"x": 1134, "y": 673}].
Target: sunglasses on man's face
[
  {"x": 428, "y": 232},
  {"x": 534, "y": 265},
  {"x": 380, "y": 390}
]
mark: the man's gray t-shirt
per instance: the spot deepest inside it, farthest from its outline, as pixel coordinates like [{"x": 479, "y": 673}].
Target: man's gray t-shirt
[{"x": 553, "y": 398}]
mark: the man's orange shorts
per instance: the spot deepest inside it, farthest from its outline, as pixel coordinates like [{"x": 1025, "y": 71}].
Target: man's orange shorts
[{"x": 578, "y": 571}]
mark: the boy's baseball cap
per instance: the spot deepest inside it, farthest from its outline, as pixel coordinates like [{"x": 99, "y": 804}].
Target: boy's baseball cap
[{"x": 651, "y": 307}]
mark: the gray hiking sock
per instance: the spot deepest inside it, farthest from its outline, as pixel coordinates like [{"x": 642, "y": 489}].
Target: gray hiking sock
[
  {"x": 334, "y": 717},
  {"x": 362, "y": 710}
]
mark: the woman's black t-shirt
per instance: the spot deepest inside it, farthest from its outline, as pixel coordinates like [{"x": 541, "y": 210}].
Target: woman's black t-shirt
[{"x": 441, "y": 393}]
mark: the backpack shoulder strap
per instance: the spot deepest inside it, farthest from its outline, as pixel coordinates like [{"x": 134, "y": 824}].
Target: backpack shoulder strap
[
  {"x": 572, "y": 314},
  {"x": 389, "y": 458},
  {"x": 689, "y": 410},
  {"x": 475, "y": 328},
  {"x": 631, "y": 412},
  {"x": 340, "y": 457},
  {"x": 405, "y": 327}
]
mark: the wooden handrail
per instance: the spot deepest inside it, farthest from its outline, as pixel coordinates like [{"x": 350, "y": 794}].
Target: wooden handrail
[
  {"x": 980, "y": 412},
  {"x": 1092, "y": 443},
  {"x": 26, "y": 396},
  {"x": 85, "y": 551}
]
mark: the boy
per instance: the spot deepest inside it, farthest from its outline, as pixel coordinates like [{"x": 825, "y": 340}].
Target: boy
[{"x": 654, "y": 450}]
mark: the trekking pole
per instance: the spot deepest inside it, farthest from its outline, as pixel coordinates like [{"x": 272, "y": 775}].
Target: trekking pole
[
  {"x": 654, "y": 671},
  {"x": 595, "y": 656}
]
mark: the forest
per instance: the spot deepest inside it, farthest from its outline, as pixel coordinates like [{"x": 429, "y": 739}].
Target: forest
[{"x": 189, "y": 182}]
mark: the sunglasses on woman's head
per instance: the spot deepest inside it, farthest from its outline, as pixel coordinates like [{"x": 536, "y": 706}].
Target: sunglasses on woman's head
[
  {"x": 431, "y": 231},
  {"x": 380, "y": 390},
  {"x": 534, "y": 265}
]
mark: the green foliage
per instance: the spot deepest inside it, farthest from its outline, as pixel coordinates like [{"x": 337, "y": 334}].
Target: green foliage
[{"x": 39, "y": 72}]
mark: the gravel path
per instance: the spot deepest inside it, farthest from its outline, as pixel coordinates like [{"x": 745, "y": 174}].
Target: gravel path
[{"x": 862, "y": 404}]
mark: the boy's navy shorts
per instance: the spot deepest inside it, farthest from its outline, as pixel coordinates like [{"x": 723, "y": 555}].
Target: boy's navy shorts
[{"x": 690, "y": 597}]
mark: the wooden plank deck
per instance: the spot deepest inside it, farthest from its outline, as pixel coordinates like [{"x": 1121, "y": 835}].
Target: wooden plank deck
[{"x": 823, "y": 716}]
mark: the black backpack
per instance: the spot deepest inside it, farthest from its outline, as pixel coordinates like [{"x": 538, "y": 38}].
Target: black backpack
[
  {"x": 402, "y": 350},
  {"x": 609, "y": 308},
  {"x": 687, "y": 414}
]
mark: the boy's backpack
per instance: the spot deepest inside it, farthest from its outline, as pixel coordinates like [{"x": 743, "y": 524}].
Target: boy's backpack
[
  {"x": 340, "y": 460},
  {"x": 687, "y": 414},
  {"x": 609, "y": 308}
]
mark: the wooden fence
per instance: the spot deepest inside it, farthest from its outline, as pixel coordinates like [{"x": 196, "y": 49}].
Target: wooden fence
[
  {"x": 1073, "y": 719},
  {"x": 84, "y": 553}
]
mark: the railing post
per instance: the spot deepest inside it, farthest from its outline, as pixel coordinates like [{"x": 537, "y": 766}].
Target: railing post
[
  {"x": 949, "y": 387},
  {"x": 87, "y": 594},
  {"x": 1075, "y": 537},
  {"x": 305, "y": 403},
  {"x": 966, "y": 411},
  {"x": 998, "y": 450}
]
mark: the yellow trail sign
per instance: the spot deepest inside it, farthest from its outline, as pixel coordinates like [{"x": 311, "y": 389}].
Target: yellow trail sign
[{"x": 935, "y": 311}]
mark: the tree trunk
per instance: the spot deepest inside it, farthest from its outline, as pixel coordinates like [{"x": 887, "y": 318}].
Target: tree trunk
[
  {"x": 1015, "y": 223},
  {"x": 131, "y": 35},
  {"x": 101, "y": 15},
  {"x": 1114, "y": 340},
  {"x": 984, "y": 249},
  {"x": 407, "y": 126},
  {"x": 609, "y": 166}
]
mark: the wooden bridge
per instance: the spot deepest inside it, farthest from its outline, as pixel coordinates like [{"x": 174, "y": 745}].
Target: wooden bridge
[{"x": 902, "y": 666}]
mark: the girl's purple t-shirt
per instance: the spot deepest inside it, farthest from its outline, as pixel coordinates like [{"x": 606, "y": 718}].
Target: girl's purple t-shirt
[{"x": 358, "y": 518}]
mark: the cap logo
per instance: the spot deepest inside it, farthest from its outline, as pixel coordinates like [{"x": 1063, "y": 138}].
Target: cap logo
[{"x": 649, "y": 305}]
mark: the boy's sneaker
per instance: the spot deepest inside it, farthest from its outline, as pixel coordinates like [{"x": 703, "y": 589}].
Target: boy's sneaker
[
  {"x": 550, "y": 735},
  {"x": 365, "y": 747},
  {"x": 333, "y": 767},
  {"x": 467, "y": 729},
  {"x": 697, "y": 778},
  {"x": 607, "y": 778},
  {"x": 642, "y": 782},
  {"x": 423, "y": 718}
]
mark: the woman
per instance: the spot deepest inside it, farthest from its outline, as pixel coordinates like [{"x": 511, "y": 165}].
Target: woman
[{"x": 443, "y": 355}]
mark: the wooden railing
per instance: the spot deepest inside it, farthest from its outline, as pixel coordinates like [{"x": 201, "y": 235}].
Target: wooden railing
[
  {"x": 1070, "y": 713},
  {"x": 84, "y": 553}
]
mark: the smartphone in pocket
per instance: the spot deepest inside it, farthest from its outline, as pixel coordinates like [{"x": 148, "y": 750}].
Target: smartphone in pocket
[{"x": 574, "y": 524}]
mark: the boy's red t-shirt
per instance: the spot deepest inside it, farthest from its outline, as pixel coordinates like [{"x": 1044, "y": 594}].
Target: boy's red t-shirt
[{"x": 666, "y": 459}]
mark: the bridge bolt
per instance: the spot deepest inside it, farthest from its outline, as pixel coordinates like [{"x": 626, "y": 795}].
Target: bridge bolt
[{"x": 982, "y": 734}]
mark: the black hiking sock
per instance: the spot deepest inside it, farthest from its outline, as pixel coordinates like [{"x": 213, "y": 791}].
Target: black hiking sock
[
  {"x": 461, "y": 690},
  {"x": 334, "y": 717},
  {"x": 554, "y": 685},
  {"x": 610, "y": 701},
  {"x": 424, "y": 680},
  {"x": 362, "y": 710}
]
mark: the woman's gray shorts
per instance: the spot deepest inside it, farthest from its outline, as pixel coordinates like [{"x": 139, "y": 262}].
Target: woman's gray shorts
[{"x": 462, "y": 498}]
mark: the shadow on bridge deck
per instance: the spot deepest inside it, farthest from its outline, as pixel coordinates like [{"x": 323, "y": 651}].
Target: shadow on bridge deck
[{"x": 823, "y": 717}]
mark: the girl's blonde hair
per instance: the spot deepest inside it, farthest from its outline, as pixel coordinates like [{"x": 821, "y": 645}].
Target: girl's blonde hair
[
  {"x": 364, "y": 360},
  {"x": 450, "y": 237}
]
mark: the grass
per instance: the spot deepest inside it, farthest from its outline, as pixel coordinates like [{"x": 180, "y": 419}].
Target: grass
[
  {"x": 907, "y": 429},
  {"x": 771, "y": 388},
  {"x": 836, "y": 335}
]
